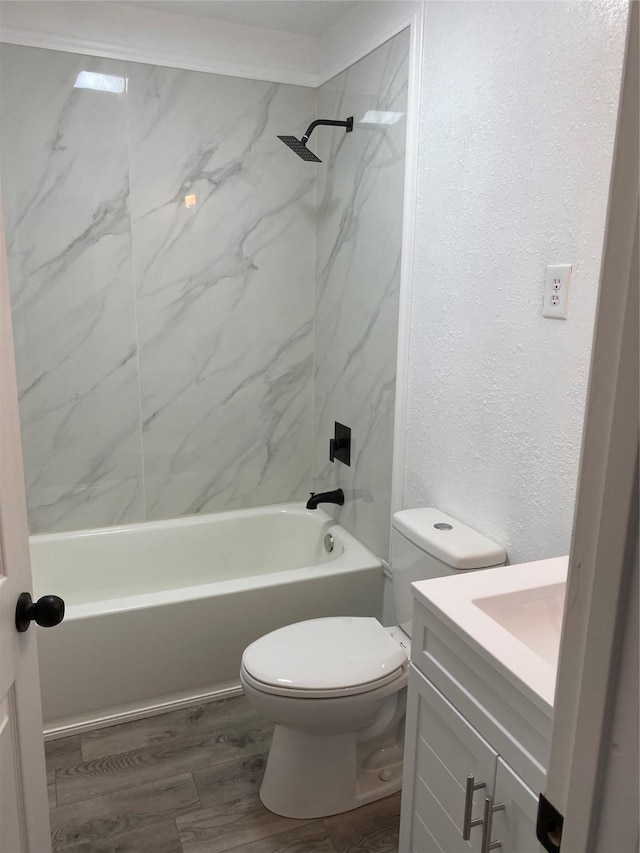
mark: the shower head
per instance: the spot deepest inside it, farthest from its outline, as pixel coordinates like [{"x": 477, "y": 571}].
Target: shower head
[
  {"x": 300, "y": 149},
  {"x": 299, "y": 146}
]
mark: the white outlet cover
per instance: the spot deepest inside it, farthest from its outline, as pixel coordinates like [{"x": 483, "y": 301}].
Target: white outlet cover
[{"x": 556, "y": 292}]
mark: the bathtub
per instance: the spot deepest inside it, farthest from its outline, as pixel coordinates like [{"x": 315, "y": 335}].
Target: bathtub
[{"x": 158, "y": 614}]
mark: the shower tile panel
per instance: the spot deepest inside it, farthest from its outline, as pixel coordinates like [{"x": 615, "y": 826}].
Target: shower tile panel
[
  {"x": 223, "y": 233},
  {"x": 65, "y": 182},
  {"x": 161, "y": 260},
  {"x": 166, "y": 281},
  {"x": 359, "y": 237}
]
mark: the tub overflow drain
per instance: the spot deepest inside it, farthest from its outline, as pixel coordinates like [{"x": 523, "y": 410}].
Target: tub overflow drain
[{"x": 328, "y": 543}]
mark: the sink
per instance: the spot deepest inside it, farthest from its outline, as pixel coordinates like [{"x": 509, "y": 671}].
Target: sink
[
  {"x": 533, "y": 616},
  {"x": 509, "y": 615}
]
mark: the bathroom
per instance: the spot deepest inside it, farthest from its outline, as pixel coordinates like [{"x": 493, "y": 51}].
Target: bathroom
[{"x": 197, "y": 311}]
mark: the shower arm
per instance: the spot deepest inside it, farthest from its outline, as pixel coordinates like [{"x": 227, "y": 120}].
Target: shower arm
[{"x": 348, "y": 124}]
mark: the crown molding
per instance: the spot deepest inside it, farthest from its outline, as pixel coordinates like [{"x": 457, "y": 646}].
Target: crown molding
[
  {"x": 361, "y": 29},
  {"x": 119, "y": 31}
]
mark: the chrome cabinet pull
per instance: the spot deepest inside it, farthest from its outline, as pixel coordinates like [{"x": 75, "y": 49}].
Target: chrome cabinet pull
[
  {"x": 489, "y": 810},
  {"x": 467, "y": 823}
]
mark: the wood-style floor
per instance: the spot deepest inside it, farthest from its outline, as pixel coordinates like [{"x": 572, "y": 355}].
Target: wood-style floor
[{"x": 187, "y": 782}]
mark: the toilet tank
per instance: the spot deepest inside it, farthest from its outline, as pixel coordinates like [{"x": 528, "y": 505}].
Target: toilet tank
[{"x": 426, "y": 543}]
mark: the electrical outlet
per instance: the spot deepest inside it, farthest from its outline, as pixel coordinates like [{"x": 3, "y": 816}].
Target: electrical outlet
[{"x": 556, "y": 292}]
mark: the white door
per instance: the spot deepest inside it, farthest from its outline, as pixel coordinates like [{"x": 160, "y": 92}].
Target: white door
[{"x": 24, "y": 813}]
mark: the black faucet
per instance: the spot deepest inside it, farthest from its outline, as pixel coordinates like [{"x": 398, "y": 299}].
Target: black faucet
[{"x": 336, "y": 497}]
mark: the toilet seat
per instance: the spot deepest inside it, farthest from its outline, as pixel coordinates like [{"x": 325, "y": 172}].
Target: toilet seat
[
  {"x": 324, "y": 658},
  {"x": 356, "y": 689}
]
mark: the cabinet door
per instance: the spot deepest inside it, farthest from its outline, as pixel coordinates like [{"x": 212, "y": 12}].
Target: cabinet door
[
  {"x": 515, "y": 826},
  {"x": 442, "y": 750}
]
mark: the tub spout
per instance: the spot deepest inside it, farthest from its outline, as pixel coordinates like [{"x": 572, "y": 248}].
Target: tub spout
[{"x": 335, "y": 497}]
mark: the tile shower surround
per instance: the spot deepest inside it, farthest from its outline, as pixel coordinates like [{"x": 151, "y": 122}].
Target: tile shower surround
[
  {"x": 159, "y": 372},
  {"x": 165, "y": 353},
  {"x": 359, "y": 240}
]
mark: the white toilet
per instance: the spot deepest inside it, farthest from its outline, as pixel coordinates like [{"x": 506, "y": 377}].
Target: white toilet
[{"x": 336, "y": 687}]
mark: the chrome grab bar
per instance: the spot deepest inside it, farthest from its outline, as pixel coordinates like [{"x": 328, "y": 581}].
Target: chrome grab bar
[
  {"x": 489, "y": 810},
  {"x": 467, "y": 823}
]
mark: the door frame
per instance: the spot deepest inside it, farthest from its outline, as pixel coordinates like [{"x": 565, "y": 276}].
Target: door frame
[{"x": 605, "y": 534}]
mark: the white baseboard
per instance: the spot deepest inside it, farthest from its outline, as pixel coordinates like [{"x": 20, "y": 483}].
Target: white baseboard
[{"x": 138, "y": 710}]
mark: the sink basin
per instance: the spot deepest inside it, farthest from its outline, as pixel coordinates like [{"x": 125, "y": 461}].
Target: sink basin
[
  {"x": 533, "y": 616},
  {"x": 511, "y": 616}
]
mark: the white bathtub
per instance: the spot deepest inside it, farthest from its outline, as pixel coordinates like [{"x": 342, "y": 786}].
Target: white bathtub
[{"x": 158, "y": 614}]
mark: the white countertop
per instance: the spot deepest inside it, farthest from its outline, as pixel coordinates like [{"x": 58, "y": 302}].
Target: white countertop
[{"x": 511, "y": 615}]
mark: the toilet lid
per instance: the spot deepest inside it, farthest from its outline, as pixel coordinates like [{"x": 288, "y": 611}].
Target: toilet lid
[{"x": 324, "y": 654}]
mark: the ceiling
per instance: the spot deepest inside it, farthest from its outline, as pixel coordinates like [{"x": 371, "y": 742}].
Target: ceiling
[{"x": 306, "y": 17}]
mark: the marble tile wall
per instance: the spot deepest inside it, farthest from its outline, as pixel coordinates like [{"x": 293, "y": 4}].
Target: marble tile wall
[
  {"x": 224, "y": 289},
  {"x": 164, "y": 351},
  {"x": 65, "y": 182},
  {"x": 358, "y": 245},
  {"x": 168, "y": 258}
]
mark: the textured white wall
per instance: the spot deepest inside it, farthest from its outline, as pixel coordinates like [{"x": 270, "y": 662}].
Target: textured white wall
[{"x": 517, "y": 129}]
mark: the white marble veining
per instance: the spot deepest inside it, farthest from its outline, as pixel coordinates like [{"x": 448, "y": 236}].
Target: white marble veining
[
  {"x": 65, "y": 191},
  {"x": 164, "y": 356},
  {"x": 168, "y": 292},
  {"x": 359, "y": 235},
  {"x": 224, "y": 289}
]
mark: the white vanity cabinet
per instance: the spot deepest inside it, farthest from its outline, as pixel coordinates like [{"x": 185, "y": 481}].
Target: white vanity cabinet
[{"x": 468, "y": 780}]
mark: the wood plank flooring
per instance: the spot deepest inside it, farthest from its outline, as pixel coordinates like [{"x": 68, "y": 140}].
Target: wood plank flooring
[{"x": 187, "y": 782}]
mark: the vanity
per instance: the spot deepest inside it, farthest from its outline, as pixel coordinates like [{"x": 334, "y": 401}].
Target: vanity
[{"x": 480, "y": 705}]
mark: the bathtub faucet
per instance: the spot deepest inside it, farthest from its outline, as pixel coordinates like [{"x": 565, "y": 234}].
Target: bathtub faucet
[{"x": 335, "y": 497}]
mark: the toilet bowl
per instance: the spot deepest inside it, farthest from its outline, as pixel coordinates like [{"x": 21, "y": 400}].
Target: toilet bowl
[{"x": 335, "y": 688}]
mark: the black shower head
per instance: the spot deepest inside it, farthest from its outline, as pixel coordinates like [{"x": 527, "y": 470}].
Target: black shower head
[
  {"x": 300, "y": 149},
  {"x": 300, "y": 145}
]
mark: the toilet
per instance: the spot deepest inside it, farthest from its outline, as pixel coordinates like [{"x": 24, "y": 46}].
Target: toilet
[{"x": 336, "y": 687}]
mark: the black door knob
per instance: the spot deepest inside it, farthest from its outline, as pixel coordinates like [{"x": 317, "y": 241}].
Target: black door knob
[{"x": 46, "y": 611}]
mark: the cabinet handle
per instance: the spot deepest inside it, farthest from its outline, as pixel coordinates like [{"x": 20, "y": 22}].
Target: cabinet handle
[
  {"x": 467, "y": 823},
  {"x": 487, "y": 820}
]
